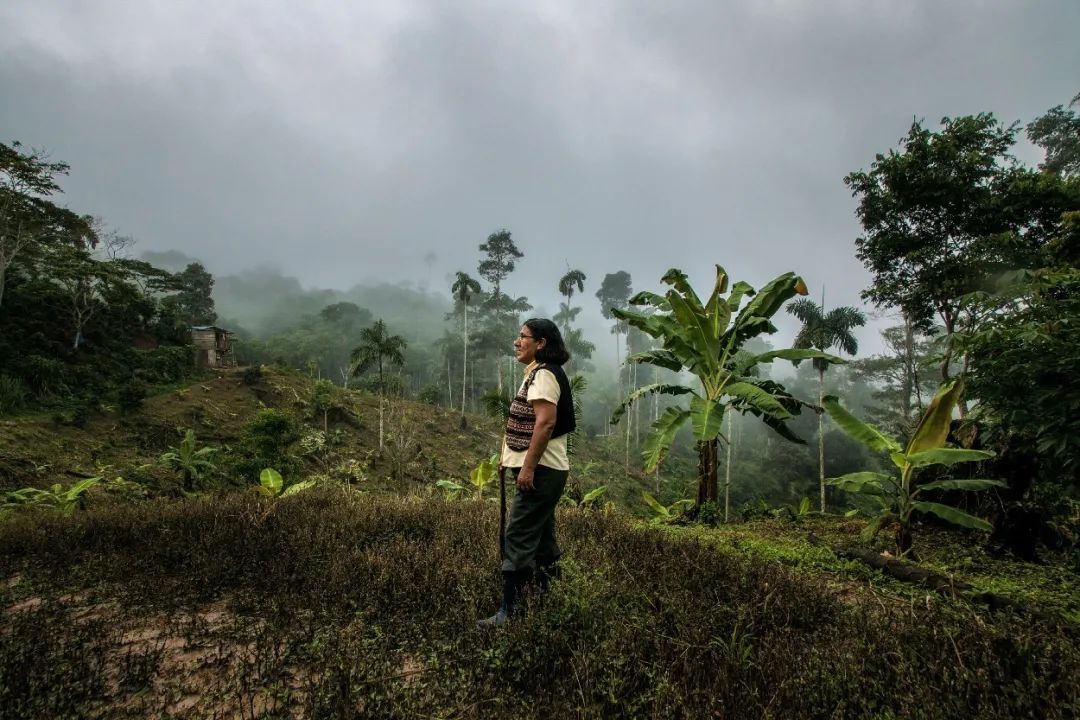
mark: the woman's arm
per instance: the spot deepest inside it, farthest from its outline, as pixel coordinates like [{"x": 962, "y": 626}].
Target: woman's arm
[{"x": 545, "y": 425}]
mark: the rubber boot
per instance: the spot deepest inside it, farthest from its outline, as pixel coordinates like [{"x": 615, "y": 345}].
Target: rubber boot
[{"x": 512, "y": 582}]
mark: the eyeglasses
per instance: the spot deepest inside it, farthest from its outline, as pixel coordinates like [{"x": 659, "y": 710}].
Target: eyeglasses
[{"x": 523, "y": 336}]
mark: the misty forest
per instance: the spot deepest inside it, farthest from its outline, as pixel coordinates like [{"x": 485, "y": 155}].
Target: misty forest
[{"x": 234, "y": 493}]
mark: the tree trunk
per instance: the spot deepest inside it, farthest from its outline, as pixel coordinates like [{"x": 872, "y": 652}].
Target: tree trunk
[
  {"x": 911, "y": 381},
  {"x": 707, "y": 485},
  {"x": 380, "y": 423},
  {"x": 727, "y": 469},
  {"x": 464, "y": 365},
  {"x": 821, "y": 436}
]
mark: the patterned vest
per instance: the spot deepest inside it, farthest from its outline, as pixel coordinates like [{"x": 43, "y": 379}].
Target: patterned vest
[{"x": 522, "y": 418}]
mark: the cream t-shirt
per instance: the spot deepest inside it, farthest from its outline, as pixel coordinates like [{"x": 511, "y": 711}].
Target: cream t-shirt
[{"x": 544, "y": 387}]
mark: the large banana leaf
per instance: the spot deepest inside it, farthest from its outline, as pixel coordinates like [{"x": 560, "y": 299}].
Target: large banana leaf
[
  {"x": 947, "y": 456},
  {"x": 707, "y": 416},
  {"x": 664, "y": 430},
  {"x": 661, "y": 358},
  {"x": 696, "y": 328},
  {"x": 679, "y": 282},
  {"x": 739, "y": 290},
  {"x": 650, "y": 298},
  {"x": 856, "y": 428},
  {"x": 793, "y": 354},
  {"x": 965, "y": 484},
  {"x": 765, "y": 304},
  {"x": 953, "y": 515},
  {"x": 933, "y": 428},
  {"x": 662, "y": 388},
  {"x": 655, "y": 504},
  {"x": 756, "y": 397},
  {"x": 780, "y": 428},
  {"x": 867, "y": 483},
  {"x": 716, "y": 307}
]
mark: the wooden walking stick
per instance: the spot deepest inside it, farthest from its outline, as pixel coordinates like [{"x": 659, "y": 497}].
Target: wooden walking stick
[{"x": 502, "y": 512}]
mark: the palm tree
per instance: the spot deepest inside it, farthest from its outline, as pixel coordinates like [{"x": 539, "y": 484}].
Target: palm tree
[
  {"x": 704, "y": 339},
  {"x": 378, "y": 347},
  {"x": 463, "y": 289},
  {"x": 567, "y": 283},
  {"x": 823, "y": 331}
]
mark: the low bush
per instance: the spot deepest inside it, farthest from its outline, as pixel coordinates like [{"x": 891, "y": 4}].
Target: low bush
[
  {"x": 352, "y": 605},
  {"x": 13, "y": 394}
]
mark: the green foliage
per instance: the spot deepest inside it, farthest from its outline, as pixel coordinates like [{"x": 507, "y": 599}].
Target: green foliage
[
  {"x": 899, "y": 498},
  {"x": 271, "y": 484},
  {"x": 643, "y": 623},
  {"x": 252, "y": 375},
  {"x": 60, "y": 499},
  {"x": 1058, "y": 133},
  {"x": 13, "y": 394},
  {"x": 192, "y": 462},
  {"x": 271, "y": 431},
  {"x": 666, "y": 513},
  {"x": 704, "y": 339},
  {"x": 1025, "y": 359},
  {"x": 485, "y": 473},
  {"x": 430, "y": 394},
  {"x": 130, "y": 396}
]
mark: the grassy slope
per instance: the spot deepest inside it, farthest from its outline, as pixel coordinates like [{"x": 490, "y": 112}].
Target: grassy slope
[
  {"x": 137, "y": 587},
  {"x": 343, "y": 604}
]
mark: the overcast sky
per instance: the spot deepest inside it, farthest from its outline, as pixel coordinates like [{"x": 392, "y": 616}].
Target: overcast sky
[{"x": 345, "y": 142}]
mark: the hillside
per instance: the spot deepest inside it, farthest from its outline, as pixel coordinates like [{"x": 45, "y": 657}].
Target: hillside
[{"x": 357, "y": 598}]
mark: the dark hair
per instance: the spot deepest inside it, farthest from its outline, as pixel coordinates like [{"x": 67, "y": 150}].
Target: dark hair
[{"x": 554, "y": 350}]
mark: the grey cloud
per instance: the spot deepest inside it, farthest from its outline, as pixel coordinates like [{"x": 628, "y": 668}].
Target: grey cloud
[{"x": 343, "y": 143}]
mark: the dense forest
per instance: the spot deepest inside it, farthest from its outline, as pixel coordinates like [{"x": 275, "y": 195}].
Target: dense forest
[{"x": 962, "y": 436}]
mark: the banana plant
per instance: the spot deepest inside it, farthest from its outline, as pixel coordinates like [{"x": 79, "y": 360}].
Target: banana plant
[
  {"x": 590, "y": 500},
  {"x": 57, "y": 498},
  {"x": 271, "y": 484},
  {"x": 479, "y": 477},
  {"x": 899, "y": 496},
  {"x": 192, "y": 462},
  {"x": 704, "y": 339},
  {"x": 666, "y": 513}
]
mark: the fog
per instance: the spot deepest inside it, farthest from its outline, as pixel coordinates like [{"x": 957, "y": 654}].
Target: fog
[{"x": 346, "y": 144}]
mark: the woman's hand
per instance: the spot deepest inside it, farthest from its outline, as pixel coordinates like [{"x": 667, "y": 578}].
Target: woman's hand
[{"x": 525, "y": 478}]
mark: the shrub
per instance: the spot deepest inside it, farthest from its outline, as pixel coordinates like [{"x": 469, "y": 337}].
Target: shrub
[
  {"x": 271, "y": 431},
  {"x": 252, "y": 375},
  {"x": 430, "y": 394},
  {"x": 13, "y": 394},
  {"x": 131, "y": 394},
  {"x": 365, "y": 601}
]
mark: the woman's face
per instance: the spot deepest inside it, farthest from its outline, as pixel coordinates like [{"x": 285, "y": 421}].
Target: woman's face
[{"x": 525, "y": 346}]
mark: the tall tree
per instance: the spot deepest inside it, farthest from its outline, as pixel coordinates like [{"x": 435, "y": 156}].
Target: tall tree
[
  {"x": 947, "y": 211},
  {"x": 614, "y": 294},
  {"x": 1058, "y": 133},
  {"x": 463, "y": 289},
  {"x": 193, "y": 304},
  {"x": 573, "y": 279},
  {"x": 704, "y": 339},
  {"x": 501, "y": 252},
  {"x": 27, "y": 217},
  {"x": 500, "y": 255},
  {"x": 823, "y": 331},
  {"x": 380, "y": 349}
]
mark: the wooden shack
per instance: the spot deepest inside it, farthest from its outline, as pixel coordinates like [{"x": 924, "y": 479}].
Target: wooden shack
[{"x": 212, "y": 346}]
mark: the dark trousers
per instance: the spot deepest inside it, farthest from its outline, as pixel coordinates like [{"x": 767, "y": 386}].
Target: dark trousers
[{"x": 530, "y": 533}]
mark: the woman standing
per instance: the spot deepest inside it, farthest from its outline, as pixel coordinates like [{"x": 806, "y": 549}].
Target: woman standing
[{"x": 534, "y": 450}]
